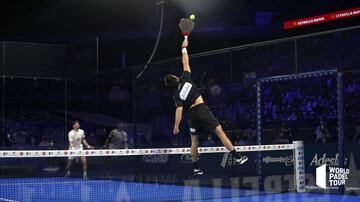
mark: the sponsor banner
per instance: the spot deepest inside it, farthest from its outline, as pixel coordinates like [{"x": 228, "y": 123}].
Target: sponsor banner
[
  {"x": 277, "y": 163},
  {"x": 319, "y": 154},
  {"x": 322, "y": 165},
  {"x": 284, "y": 160},
  {"x": 322, "y": 18},
  {"x": 331, "y": 177}
]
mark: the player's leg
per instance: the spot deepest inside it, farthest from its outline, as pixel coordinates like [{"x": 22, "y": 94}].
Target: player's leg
[
  {"x": 209, "y": 122},
  {"x": 84, "y": 166},
  {"x": 109, "y": 165},
  {"x": 68, "y": 166},
  {"x": 194, "y": 133},
  {"x": 228, "y": 144},
  {"x": 194, "y": 154},
  {"x": 223, "y": 138}
]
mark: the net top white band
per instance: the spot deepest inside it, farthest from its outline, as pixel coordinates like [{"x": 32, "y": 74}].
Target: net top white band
[{"x": 134, "y": 152}]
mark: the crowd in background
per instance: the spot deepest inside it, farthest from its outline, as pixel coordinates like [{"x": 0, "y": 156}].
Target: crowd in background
[{"x": 34, "y": 113}]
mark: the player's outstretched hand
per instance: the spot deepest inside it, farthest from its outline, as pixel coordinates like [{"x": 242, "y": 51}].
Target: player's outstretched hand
[{"x": 185, "y": 43}]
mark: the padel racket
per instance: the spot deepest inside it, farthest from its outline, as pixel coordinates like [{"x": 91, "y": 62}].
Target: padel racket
[{"x": 186, "y": 26}]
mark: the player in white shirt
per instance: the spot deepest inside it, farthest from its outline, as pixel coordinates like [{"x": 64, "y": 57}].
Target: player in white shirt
[{"x": 76, "y": 140}]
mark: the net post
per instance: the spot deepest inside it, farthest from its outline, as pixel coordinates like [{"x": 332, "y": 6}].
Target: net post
[
  {"x": 258, "y": 129},
  {"x": 299, "y": 163},
  {"x": 340, "y": 118}
]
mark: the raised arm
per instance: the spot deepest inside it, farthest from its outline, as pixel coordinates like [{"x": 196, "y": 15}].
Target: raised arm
[{"x": 185, "y": 57}]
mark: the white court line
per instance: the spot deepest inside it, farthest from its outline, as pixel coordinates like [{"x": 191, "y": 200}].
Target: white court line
[
  {"x": 8, "y": 200},
  {"x": 49, "y": 183}
]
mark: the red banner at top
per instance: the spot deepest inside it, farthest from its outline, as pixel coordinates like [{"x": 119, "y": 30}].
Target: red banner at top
[{"x": 322, "y": 18}]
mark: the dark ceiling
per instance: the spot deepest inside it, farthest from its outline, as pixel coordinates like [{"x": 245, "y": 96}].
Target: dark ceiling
[{"x": 134, "y": 23}]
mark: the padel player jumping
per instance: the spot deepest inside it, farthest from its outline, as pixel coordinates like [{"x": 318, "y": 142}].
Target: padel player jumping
[{"x": 201, "y": 119}]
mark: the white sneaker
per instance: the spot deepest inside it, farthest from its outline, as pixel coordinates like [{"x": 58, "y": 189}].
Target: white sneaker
[
  {"x": 241, "y": 160},
  {"x": 198, "y": 172}
]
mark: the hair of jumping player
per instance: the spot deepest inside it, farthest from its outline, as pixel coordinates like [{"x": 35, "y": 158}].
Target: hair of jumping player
[{"x": 171, "y": 81}]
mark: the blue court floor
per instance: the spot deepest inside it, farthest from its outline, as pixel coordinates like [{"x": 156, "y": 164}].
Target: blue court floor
[{"x": 60, "y": 189}]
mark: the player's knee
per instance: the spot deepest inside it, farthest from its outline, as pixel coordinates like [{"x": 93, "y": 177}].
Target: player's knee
[
  {"x": 219, "y": 130},
  {"x": 195, "y": 142}
]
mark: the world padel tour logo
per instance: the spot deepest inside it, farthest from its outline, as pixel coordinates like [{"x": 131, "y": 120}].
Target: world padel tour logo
[{"x": 331, "y": 177}]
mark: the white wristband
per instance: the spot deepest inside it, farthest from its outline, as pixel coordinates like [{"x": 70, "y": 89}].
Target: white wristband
[{"x": 184, "y": 50}]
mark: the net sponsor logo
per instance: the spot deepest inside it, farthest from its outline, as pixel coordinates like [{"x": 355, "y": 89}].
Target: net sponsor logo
[
  {"x": 331, "y": 177},
  {"x": 286, "y": 160},
  {"x": 185, "y": 158},
  {"x": 156, "y": 159},
  {"x": 226, "y": 160},
  {"x": 319, "y": 160},
  {"x": 51, "y": 169}
]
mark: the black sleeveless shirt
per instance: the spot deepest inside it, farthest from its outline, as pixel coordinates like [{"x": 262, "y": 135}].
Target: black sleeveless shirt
[{"x": 187, "y": 92}]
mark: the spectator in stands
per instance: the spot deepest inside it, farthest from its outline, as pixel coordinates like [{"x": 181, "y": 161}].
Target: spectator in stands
[
  {"x": 114, "y": 94},
  {"x": 209, "y": 142},
  {"x": 141, "y": 140},
  {"x": 22, "y": 138},
  {"x": 32, "y": 140},
  {"x": 250, "y": 134},
  {"x": 240, "y": 140},
  {"x": 325, "y": 137},
  {"x": 320, "y": 130},
  {"x": 117, "y": 94},
  {"x": 51, "y": 145},
  {"x": 284, "y": 136},
  {"x": 13, "y": 138},
  {"x": 8, "y": 139},
  {"x": 44, "y": 141}
]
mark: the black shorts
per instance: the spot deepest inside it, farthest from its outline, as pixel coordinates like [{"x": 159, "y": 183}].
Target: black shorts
[{"x": 202, "y": 120}]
